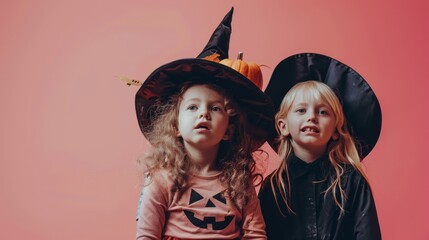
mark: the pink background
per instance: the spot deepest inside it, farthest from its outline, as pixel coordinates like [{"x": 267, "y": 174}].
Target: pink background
[{"x": 68, "y": 133}]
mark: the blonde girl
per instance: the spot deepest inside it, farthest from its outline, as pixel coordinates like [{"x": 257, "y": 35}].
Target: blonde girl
[{"x": 319, "y": 190}]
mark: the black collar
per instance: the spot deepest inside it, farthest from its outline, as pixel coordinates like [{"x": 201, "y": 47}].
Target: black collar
[{"x": 298, "y": 167}]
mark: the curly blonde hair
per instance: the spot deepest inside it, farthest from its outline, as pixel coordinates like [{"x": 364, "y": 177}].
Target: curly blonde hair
[
  {"x": 234, "y": 158},
  {"x": 340, "y": 152}
]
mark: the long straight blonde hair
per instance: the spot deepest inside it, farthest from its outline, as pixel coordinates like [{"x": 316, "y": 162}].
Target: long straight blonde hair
[{"x": 341, "y": 151}]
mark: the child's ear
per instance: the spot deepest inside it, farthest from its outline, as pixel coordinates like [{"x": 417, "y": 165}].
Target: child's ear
[
  {"x": 177, "y": 132},
  {"x": 229, "y": 132},
  {"x": 284, "y": 130}
]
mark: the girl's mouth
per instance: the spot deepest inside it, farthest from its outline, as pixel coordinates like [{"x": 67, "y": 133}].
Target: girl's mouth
[
  {"x": 202, "y": 126},
  {"x": 310, "y": 129}
]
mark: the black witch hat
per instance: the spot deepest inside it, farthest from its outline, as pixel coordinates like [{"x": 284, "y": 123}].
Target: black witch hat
[
  {"x": 360, "y": 104},
  {"x": 219, "y": 41},
  {"x": 168, "y": 79}
]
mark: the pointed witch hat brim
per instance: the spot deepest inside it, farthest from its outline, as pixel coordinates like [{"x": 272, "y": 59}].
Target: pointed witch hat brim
[
  {"x": 360, "y": 104},
  {"x": 168, "y": 79}
]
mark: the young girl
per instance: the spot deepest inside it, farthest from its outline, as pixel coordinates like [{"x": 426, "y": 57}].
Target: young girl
[
  {"x": 204, "y": 120},
  {"x": 199, "y": 182},
  {"x": 320, "y": 190}
]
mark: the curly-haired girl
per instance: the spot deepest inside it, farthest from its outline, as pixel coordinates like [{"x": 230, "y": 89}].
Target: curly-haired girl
[{"x": 200, "y": 172}]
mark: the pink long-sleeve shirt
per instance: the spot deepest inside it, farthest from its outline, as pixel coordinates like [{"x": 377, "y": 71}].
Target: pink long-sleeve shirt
[{"x": 202, "y": 212}]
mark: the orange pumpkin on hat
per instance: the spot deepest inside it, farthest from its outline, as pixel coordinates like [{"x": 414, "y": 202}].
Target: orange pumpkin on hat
[{"x": 250, "y": 70}]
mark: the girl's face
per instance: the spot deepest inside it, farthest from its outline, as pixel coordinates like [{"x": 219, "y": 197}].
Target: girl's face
[
  {"x": 310, "y": 123},
  {"x": 202, "y": 120}
]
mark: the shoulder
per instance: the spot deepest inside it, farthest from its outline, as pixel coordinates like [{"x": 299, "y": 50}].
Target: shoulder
[
  {"x": 157, "y": 185},
  {"x": 266, "y": 183},
  {"x": 353, "y": 179},
  {"x": 267, "y": 189},
  {"x": 158, "y": 178},
  {"x": 351, "y": 172}
]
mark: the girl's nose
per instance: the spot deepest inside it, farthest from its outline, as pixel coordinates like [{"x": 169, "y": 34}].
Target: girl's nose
[
  {"x": 204, "y": 114},
  {"x": 312, "y": 117}
]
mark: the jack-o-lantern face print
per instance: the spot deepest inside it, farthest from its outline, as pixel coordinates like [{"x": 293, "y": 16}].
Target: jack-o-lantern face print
[{"x": 203, "y": 223}]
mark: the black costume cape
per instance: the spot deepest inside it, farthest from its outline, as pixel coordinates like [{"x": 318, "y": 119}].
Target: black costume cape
[{"x": 317, "y": 217}]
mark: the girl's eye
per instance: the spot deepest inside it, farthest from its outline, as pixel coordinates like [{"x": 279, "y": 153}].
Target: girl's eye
[
  {"x": 301, "y": 110},
  {"x": 192, "y": 107},
  {"x": 323, "y": 112},
  {"x": 216, "y": 108}
]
